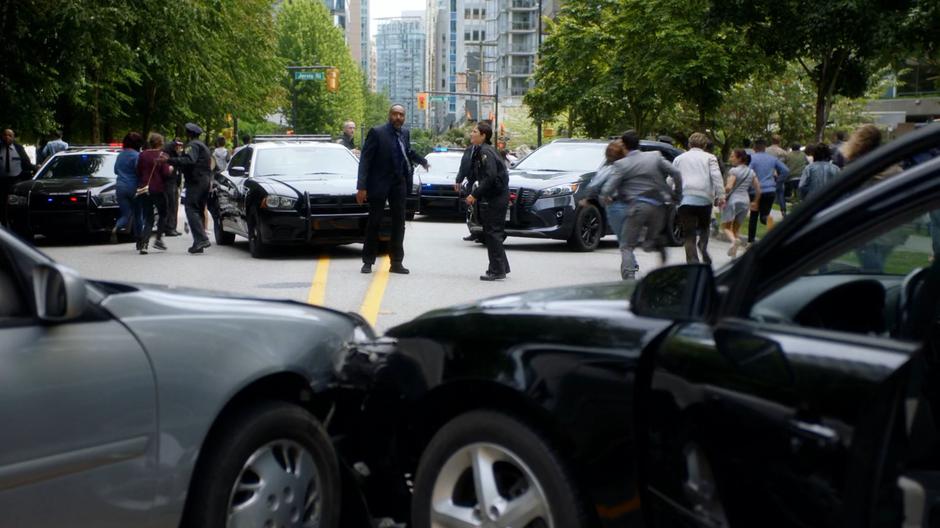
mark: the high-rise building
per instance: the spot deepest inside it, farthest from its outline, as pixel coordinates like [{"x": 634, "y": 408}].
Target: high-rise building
[
  {"x": 358, "y": 35},
  {"x": 517, "y": 44},
  {"x": 462, "y": 59},
  {"x": 401, "y": 65},
  {"x": 339, "y": 9}
]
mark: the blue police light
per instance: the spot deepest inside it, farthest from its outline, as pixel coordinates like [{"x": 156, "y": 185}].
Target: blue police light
[
  {"x": 440, "y": 149},
  {"x": 49, "y": 199}
]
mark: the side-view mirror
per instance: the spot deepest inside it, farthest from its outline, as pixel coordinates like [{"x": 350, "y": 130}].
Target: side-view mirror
[
  {"x": 60, "y": 293},
  {"x": 237, "y": 171},
  {"x": 512, "y": 164},
  {"x": 681, "y": 293}
]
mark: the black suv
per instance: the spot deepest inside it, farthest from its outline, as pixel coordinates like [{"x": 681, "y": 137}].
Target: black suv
[{"x": 546, "y": 186}]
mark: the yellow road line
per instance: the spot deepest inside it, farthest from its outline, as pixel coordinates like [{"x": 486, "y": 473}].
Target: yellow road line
[
  {"x": 317, "y": 293},
  {"x": 373, "y": 300}
]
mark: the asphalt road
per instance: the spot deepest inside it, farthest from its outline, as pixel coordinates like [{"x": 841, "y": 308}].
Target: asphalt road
[{"x": 445, "y": 270}]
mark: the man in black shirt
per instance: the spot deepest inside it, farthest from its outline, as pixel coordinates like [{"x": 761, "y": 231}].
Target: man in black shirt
[{"x": 197, "y": 171}]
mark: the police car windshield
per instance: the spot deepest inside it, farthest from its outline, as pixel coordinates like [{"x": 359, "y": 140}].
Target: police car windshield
[
  {"x": 79, "y": 166},
  {"x": 314, "y": 162},
  {"x": 565, "y": 157},
  {"x": 443, "y": 163}
]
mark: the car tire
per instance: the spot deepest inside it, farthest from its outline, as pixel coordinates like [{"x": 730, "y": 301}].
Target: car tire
[
  {"x": 673, "y": 230},
  {"x": 255, "y": 466},
  {"x": 222, "y": 237},
  {"x": 588, "y": 229},
  {"x": 256, "y": 245},
  {"x": 527, "y": 472}
]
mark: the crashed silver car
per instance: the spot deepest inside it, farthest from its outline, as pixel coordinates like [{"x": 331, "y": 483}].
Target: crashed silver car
[{"x": 126, "y": 406}]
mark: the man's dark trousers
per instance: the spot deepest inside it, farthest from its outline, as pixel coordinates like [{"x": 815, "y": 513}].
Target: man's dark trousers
[
  {"x": 197, "y": 196},
  {"x": 396, "y": 203}
]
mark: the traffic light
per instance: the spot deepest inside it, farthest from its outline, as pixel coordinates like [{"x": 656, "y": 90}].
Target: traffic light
[
  {"x": 422, "y": 101},
  {"x": 332, "y": 79}
]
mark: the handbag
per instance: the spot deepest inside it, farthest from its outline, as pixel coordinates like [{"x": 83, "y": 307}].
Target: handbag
[{"x": 145, "y": 189}]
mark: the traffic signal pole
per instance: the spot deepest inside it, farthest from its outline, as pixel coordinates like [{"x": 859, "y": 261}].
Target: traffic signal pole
[{"x": 295, "y": 73}]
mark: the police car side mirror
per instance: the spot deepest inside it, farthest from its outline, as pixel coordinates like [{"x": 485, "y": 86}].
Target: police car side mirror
[{"x": 237, "y": 171}]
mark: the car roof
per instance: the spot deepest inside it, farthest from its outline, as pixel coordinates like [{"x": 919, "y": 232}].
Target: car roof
[
  {"x": 449, "y": 153},
  {"x": 267, "y": 145},
  {"x": 89, "y": 149}
]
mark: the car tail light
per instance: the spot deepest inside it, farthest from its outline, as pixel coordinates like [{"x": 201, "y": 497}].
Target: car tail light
[{"x": 512, "y": 198}]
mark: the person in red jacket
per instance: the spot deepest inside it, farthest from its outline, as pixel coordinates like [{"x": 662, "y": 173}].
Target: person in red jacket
[{"x": 152, "y": 172}]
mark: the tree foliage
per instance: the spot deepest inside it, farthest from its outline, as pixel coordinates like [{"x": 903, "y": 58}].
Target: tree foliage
[
  {"x": 97, "y": 68},
  {"x": 306, "y": 37},
  {"x": 614, "y": 64},
  {"x": 839, "y": 44}
]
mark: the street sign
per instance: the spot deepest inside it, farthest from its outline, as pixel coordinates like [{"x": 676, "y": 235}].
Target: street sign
[
  {"x": 438, "y": 98},
  {"x": 309, "y": 76}
]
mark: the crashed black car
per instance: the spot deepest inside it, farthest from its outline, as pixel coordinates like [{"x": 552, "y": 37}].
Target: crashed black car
[
  {"x": 73, "y": 193},
  {"x": 798, "y": 386},
  {"x": 287, "y": 192},
  {"x": 546, "y": 188}
]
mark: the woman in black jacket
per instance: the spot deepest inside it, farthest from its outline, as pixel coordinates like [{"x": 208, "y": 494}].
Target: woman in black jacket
[{"x": 489, "y": 170}]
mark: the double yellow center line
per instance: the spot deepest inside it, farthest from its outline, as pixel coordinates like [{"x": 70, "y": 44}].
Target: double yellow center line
[{"x": 373, "y": 299}]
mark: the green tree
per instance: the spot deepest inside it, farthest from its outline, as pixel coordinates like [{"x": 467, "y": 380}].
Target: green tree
[
  {"x": 614, "y": 64},
  {"x": 306, "y": 36},
  {"x": 838, "y": 44}
]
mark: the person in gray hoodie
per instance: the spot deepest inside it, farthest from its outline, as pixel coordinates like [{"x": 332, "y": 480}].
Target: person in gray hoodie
[{"x": 639, "y": 180}]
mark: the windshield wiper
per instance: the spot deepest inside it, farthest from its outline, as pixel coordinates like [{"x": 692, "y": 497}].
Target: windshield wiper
[
  {"x": 271, "y": 174},
  {"x": 317, "y": 173},
  {"x": 541, "y": 170}
]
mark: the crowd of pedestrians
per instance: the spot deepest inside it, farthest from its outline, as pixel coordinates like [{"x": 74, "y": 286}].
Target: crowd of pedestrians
[
  {"x": 148, "y": 183},
  {"x": 756, "y": 180}
]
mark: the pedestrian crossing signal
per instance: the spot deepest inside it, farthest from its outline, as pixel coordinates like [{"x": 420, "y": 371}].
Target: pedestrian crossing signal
[
  {"x": 422, "y": 101},
  {"x": 332, "y": 80}
]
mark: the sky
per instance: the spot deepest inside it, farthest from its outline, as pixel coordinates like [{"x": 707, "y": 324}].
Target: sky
[{"x": 391, "y": 8}]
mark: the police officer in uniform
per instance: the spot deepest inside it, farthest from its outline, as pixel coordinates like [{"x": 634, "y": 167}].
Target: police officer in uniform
[
  {"x": 195, "y": 164},
  {"x": 489, "y": 170},
  {"x": 465, "y": 174}
]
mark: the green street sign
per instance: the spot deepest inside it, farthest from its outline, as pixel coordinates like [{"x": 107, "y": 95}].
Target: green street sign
[
  {"x": 309, "y": 75},
  {"x": 438, "y": 98}
]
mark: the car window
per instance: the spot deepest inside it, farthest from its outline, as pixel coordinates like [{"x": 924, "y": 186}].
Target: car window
[
  {"x": 565, "y": 157},
  {"x": 313, "y": 162},
  {"x": 242, "y": 158},
  {"x": 861, "y": 290},
  {"x": 79, "y": 166}
]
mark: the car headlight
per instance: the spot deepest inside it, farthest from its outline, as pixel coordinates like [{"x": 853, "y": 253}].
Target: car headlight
[
  {"x": 108, "y": 198},
  {"x": 559, "y": 190},
  {"x": 273, "y": 201},
  {"x": 16, "y": 200}
]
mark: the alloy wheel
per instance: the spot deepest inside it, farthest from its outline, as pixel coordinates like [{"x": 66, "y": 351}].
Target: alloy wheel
[
  {"x": 590, "y": 228},
  {"x": 278, "y": 486},
  {"x": 486, "y": 485}
]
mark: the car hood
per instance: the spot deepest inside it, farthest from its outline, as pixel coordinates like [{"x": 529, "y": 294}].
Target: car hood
[
  {"x": 65, "y": 185},
  {"x": 183, "y": 328},
  {"x": 600, "y": 297},
  {"x": 539, "y": 180},
  {"x": 329, "y": 184}
]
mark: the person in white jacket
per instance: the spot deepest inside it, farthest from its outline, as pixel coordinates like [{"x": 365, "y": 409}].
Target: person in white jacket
[{"x": 702, "y": 188}]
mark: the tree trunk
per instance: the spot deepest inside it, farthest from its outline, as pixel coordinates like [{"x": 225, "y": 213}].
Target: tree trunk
[{"x": 95, "y": 118}]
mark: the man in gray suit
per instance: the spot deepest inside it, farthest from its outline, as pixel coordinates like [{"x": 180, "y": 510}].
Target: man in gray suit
[{"x": 639, "y": 179}]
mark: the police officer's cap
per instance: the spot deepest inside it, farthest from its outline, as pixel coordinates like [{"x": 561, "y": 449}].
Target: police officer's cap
[{"x": 193, "y": 128}]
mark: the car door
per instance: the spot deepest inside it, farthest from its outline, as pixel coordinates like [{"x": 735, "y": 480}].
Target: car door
[
  {"x": 78, "y": 439},
  {"x": 784, "y": 408},
  {"x": 231, "y": 192}
]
